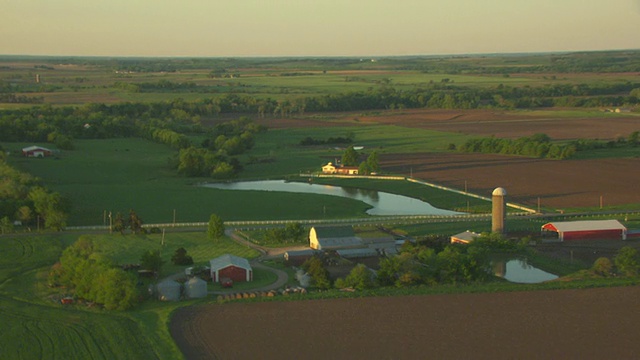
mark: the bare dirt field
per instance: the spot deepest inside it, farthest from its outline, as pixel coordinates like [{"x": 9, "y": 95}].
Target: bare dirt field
[
  {"x": 510, "y": 125},
  {"x": 560, "y": 324},
  {"x": 558, "y": 184}
]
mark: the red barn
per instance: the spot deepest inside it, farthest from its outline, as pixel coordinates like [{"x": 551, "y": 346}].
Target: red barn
[
  {"x": 36, "y": 151},
  {"x": 230, "y": 266},
  {"x": 585, "y": 230}
]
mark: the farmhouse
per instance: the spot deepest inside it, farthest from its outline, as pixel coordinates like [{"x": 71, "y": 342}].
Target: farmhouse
[
  {"x": 230, "y": 266},
  {"x": 584, "y": 230},
  {"x": 464, "y": 237},
  {"x": 342, "y": 170},
  {"x": 36, "y": 151},
  {"x": 333, "y": 238}
]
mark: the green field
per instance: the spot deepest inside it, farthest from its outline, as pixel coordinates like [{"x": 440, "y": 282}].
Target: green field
[
  {"x": 116, "y": 175},
  {"x": 35, "y": 326}
]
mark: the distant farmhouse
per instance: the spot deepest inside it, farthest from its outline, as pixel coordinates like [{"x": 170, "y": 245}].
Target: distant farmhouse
[
  {"x": 341, "y": 170},
  {"x": 36, "y": 151}
]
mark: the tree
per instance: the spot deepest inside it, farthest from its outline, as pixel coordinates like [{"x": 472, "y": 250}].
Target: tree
[
  {"x": 135, "y": 223},
  {"x": 216, "y": 227},
  {"x": 359, "y": 278},
  {"x": 151, "y": 260},
  {"x": 350, "y": 157},
  {"x": 118, "y": 223},
  {"x": 6, "y": 226},
  {"x": 25, "y": 215},
  {"x": 373, "y": 162},
  {"x": 319, "y": 275},
  {"x": 628, "y": 261},
  {"x": 180, "y": 257},
  {"x": 602, "y": 266}
]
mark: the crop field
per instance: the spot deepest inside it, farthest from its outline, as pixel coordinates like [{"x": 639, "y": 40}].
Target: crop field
[{"x": 497, "y": 325}]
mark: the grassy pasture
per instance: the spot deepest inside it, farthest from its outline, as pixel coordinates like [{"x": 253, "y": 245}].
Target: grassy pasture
[{"x": 35, "y": 327}]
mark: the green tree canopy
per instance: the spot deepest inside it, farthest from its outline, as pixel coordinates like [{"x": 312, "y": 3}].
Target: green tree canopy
[
  {"x": 350, "y": 157},
  {"x": 215, "y": 229}
]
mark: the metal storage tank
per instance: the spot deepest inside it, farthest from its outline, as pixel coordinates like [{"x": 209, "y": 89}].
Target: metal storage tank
[
  {"x": 498, "y": 213},
  {"x": 195, "y": 288},
  {"x": 169, "y": 290}
]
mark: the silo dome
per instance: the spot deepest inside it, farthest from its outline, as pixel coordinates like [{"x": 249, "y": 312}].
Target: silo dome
[{"x": 499, "y": 192}]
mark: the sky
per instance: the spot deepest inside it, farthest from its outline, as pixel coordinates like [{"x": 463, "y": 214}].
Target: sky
[{"x": 234, "y": 28}]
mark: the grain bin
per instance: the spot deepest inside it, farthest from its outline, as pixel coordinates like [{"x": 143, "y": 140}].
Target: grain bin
[
  {"x": 169, "y": 290},
  {"x": 195, "y": 288}
]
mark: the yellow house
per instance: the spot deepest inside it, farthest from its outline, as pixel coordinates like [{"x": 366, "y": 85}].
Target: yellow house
[{"x": 329, "y": 169}]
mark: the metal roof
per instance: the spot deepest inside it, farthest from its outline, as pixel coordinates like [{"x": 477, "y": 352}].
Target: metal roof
[
  {"x": 333, "y": 231},
  {"x": 356, "y": 253},
  {"x": 466, "y": 236},
  {"x": 587, "y": 225},
  {"x": 227, "y": 260}
]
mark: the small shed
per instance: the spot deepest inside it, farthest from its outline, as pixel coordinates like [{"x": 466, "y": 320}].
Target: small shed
[
  {"x": 230, "y": 266},
  {"x": 333, "y": 238},
  {"x": 585, "y": 230},
  {"x": 169, "y": 290},
  {"x": 36, "y": 151},
  {"x": 464, "y": 237},
  {"x": 195, "y": 288}
]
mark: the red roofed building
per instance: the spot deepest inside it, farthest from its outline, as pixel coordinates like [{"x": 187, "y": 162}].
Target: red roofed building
[
  {"x": 585, "y": 230},
  {"x": 36, "y": 151},
  {"x": 230, "y": 266}
]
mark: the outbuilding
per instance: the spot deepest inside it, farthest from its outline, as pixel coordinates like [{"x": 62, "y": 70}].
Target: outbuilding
[
  {"x": 195, "y": 288},
  {"x": 586, "y": 230},
  {"x": 230, "y": 266},
  {"x": 298, "y": 257},
  {"x": 36, "y": 151},
  {"x": 464, "y": 237},
  {"x": 333, "y": 238}
]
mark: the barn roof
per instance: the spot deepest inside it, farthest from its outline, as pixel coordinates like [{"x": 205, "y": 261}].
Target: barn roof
[
  {"x": 227, "y": 260},
  {"x": 357, "y": 253},
  {"x": 466, "y": 236},
  {"x": 33, "y": 148},
  {"x": 589, "y": 225},
  {"x": 334, "y": 231},
  {"x": 341, "y": 242}
]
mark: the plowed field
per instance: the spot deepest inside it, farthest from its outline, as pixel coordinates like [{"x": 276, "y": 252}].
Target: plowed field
[
  {"x": 561, "y": 324},
  {"x": 558, "y": 184}
]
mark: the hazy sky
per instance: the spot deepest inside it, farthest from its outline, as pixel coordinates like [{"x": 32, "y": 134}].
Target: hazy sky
[{"x": 314, "y": 27}]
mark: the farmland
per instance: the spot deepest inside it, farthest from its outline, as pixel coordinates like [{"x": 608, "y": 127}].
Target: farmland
[{"x": 414, "y": 112}]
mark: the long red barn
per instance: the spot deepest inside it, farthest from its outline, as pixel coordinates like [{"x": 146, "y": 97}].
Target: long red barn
[{"x": 585, "y": 230}]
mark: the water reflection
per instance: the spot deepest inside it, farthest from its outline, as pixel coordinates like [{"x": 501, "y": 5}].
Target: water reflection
[
  {"x": 382, "y": 203},
  {"x": 519, "y": 271}
]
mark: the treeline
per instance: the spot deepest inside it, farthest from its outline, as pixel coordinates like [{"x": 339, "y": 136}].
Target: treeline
[
  {"x": 24, "y": 199},
  {"x": 20, "y": 99},
  {"x": 538, "y": 145},
  {"x": 309, "y": 141},
  {"x": 418, "y": 264}
]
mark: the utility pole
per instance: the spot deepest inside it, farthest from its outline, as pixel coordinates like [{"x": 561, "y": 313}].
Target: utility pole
[{"x": 174, "y": 217}]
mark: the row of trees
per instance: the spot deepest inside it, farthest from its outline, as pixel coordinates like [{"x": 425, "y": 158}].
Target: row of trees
[
  {"x": 22, "y": 198},
  {"x": 422, "y": 265},
  {"x": 351, "y": 157},
  {"x": 538, "y": 145}
]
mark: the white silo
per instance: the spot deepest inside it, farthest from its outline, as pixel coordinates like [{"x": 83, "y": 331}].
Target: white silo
[{"x": 498, "y": 213}]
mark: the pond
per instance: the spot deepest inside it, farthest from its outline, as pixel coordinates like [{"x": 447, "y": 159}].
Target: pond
[
  {"x": 382, "y": 203},
  {"x": 519, "y": 271}
]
